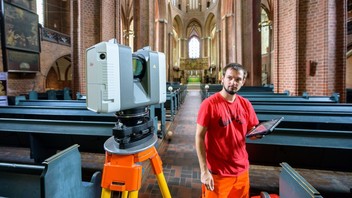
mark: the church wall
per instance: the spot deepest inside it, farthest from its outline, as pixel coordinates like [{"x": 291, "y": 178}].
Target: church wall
[
  {"x": 22, "y": 83},
  {"x": 321, "y": 47},
  {"x": 86, "y": 31},
  {"x": 310, "y": 47},
  {"x": 285, "y": 44},
  {"x": 306, "y": 33}
]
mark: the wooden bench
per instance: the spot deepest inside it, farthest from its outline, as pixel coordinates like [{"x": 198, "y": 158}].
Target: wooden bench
[
  {"x": 292, "y": 184},
  {"x": 318, "y": 138},
  {"x": 170, "y": 106},
  {"x": 46, "y": 129},
  {"x": 53, "y": 103},
  {"x": 334, "y": 98},
  {"x": 310, "y": 107},
  {"x": 58, "y": 176},
  {"x": 180, "y": 89}
]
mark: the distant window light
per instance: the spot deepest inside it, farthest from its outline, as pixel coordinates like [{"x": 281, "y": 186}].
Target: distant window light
[
  {"x": 193, "y": 4},
  {"x": 193, "y": 48},
  {"x": 40, "y": 11}
]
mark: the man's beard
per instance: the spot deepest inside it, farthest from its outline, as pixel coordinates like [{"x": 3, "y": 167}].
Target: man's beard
[{"x": 231, "y": 92}]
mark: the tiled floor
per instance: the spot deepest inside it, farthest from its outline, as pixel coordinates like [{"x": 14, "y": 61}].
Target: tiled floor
[{"x": 180, "y": 163}]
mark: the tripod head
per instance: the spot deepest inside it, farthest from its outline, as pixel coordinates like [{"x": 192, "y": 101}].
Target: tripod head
[{"x": 133, "y": 127}]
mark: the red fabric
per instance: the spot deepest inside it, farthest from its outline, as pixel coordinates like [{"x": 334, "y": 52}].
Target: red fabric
[
  {"x": 227, "y": 125},
  {"x": 230, "y": 187}
]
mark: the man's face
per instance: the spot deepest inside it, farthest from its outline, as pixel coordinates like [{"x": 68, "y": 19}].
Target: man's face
[{"x": 233, "y": 81}]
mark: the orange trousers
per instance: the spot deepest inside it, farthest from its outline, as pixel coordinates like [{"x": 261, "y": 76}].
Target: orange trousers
[{"x": 232, "y": 187}]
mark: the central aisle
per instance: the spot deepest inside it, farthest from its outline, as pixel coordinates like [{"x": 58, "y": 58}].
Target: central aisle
[{"x": 180, "y": 163}]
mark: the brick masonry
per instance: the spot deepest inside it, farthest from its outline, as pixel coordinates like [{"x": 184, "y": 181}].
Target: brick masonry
[{"x": 303, "y": 31}]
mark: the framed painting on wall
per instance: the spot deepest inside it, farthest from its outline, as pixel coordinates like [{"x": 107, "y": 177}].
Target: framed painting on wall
[
  {"x": 21, "y": 29},
  {"x": 21, "y": 61},
  {"x": 26, "y": 4}
]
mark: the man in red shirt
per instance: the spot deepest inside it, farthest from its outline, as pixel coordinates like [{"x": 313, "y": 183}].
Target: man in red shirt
[{"x": 223, "y": 121}]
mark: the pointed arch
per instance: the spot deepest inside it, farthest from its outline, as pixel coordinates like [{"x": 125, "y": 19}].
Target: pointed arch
[{"x": 194, "y": 28}]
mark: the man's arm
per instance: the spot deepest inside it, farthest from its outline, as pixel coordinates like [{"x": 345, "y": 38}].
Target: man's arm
[{"x": 205, "y": 175}]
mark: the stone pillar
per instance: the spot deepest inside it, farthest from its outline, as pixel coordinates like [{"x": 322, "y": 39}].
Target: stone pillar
[
  {"x": 228, "y": 38},
  {"x": 170, "y": 57},
  {"x": 85, "y": 32},
  {"x": 238, "y": 32},
  {"x": 219, "y": 55},
  {"x": 183, "y": 47},
  {"x": 161, "y": 28},
  {"x": 76, "y": 56},
  {"x": 206, "y": 47},
  {"x": 251, "y": 41},
  {"x": 108, "y": 20},
  {"x": 143, "y": 18}
]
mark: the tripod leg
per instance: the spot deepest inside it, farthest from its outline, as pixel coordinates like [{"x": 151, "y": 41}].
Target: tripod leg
[
  {"x": 105, "y": 193},
  {"x": 158, "y": 171},
  {"x": 163, "y": 185},
  {"x": 124, "y": 194},
  {"x": 133, "y": 194}
]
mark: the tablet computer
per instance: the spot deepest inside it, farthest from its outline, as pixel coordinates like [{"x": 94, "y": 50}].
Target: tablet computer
[{"x": 264, "y": 128}]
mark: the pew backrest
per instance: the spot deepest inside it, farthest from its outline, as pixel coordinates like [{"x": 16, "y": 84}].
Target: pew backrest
[
  {"x": 293, "y": 185},
  {"x": 58, "y": 176}
]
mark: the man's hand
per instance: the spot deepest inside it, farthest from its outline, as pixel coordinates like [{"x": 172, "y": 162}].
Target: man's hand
[{"x": 207, "y": 179}]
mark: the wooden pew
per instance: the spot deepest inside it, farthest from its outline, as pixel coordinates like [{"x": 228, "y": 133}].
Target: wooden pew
[
  {"x": 266, "y": 94},
  {"x": 292, "y": 184},
  {"x": 334, "y": 98},
  {"x": 308, "y": 107},
  {"x": 58, "y": 176},
  {"x": 244, "y": 91},
  {"x": 47, "y": 128},
  {"x": 263, "y": 97},
  {"x": 170, "y": 106},
  {"x": 45, "y": 137},
  {"x": 55, "y": 113},
  {"x": 180, "y": 89},
  {"x": 160, "y": 112},
  {"x": 53, "y": 103},
  {"x": 319, "y": 139}
]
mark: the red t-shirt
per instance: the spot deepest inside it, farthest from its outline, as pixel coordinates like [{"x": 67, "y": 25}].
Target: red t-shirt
[{"x": 225, "y": 140}]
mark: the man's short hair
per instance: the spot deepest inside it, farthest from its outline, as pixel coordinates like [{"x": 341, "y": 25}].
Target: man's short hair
[{"x": 235, "y": 66}]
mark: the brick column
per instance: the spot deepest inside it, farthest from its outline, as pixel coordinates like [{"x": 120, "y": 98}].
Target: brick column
[
  {"x": 108, "y": 20},
  {"x": 143, "y": 21},
  {"x": 251, "y": 48},
  {"x": 170, "y": 57},
  {"x": 75, "y": 55},
  {"x": 85, "y": 32},
  {"x": 206, "y": 47},
  {"x": 161, "y": 27},
  {"x": 183, "y": 43},
  {"x": 228, "y": 38}
]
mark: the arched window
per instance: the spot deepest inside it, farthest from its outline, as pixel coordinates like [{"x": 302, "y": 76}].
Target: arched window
[
  {"x": 265, "y": 25},
  {"x": 194, "y": 47},
  {"x": 174, "y": 2}
]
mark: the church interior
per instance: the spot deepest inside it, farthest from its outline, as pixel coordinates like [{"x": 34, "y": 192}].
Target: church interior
[{"x": 58, "y": 135}]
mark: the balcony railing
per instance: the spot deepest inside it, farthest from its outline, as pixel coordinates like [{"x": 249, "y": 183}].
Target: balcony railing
[{"x": 55, "y": 37}]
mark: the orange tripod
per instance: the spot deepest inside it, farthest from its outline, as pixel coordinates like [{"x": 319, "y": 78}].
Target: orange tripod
[{"x": 121, "y": 173}]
